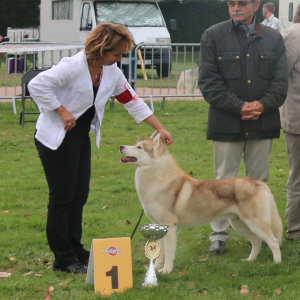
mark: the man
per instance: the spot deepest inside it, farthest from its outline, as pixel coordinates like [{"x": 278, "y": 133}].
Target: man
[
  {"x": 290, "y": 122},
  {"x": 268, "y": 13},
  {"x": 243, "y": 76}
]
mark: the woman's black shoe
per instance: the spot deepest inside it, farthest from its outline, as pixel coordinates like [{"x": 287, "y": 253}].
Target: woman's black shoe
[
  {"x": 84, "y": 259},
  {"x": 76, "y": 268}
]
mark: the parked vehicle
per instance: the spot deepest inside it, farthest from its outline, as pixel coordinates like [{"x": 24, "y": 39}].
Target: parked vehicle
[
  {"x": 287, "y": 10},
  {"x": 72, "y": 20}
]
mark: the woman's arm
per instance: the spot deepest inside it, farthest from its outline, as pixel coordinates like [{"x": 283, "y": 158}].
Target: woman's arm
[{"x": 155, "y": 124}]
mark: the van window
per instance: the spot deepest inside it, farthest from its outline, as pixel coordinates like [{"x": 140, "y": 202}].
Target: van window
[
  {"x": 62, "y": 9},
  {"x": 129, "y": 14},
  {"x": 86, "y": 17},
  {"x": 291, "y": 13}
]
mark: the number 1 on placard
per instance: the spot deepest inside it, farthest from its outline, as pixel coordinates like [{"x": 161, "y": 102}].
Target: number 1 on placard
[{"x": 113, "y": 272}]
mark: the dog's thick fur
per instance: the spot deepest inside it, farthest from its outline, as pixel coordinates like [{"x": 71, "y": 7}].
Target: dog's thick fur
[{"x": 171, "y": 197}]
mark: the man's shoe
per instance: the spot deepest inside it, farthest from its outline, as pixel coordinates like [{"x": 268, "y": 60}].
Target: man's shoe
[
  {"x": 76, "y": 268},
  {"x": 217, "y": 247}
]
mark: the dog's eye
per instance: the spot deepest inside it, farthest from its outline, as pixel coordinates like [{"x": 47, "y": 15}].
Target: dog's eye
[{"x": 139, "y": 147}]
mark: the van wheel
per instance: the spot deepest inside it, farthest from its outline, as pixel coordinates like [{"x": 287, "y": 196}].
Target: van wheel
[{"x": 165, "y": 70}]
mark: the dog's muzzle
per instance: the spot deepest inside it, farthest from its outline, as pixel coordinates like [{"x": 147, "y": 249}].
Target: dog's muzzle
[{"x": 127, "y": 159}]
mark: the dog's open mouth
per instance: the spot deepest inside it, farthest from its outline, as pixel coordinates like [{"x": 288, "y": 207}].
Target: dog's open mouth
[{"x": 128, "y": 159}]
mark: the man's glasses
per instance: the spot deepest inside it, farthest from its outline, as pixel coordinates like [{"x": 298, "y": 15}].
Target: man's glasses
[{"x": 238, "y": 3}]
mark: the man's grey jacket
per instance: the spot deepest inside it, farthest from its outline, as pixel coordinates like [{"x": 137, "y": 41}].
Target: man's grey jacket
[{"x": 234, "y": 69}]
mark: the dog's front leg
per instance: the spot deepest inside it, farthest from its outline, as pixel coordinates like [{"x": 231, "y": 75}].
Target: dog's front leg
[
  {"x": 159, "y": 262},
  {"x": 169, "y": 248}
]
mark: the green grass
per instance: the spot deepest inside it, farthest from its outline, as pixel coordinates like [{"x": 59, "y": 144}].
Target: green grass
[{"x": 113, "y": 202}]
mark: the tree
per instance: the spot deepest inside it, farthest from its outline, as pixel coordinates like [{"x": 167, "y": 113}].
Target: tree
[
  {"x": 192, "y": 17},
  {"x": 19, "y": 14}
]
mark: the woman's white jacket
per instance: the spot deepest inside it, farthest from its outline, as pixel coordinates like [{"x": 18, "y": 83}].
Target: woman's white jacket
[{"x": 69, "y": 84}]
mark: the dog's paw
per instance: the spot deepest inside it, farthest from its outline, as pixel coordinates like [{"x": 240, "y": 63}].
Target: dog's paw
[
  {"x": 165, "y": 270},
  {"x": 277, "y": 260},
  {"x": 159, "y": 264},
  {"x": 247, "y": 259}
]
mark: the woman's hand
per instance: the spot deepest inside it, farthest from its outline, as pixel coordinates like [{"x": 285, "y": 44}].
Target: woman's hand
[
  {"x": 67, "y": 118},
  {"x": 165, "y": 136}
]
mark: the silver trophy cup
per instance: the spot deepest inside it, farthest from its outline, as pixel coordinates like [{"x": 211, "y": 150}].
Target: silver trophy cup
[{"x": 152, "y": 232}]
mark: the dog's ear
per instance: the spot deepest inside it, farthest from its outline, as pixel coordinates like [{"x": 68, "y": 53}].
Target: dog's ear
[
  {"x": 156, "y": 139},
  {"x": 153, "y": 134}
]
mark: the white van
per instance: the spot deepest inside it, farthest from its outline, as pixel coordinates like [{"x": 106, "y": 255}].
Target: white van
[
  {"x": 287, "y": 10},
  {"x": 72, "y": 21}
]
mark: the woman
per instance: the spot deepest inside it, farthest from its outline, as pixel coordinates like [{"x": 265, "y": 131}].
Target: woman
[{"x": 71, "y": 97}]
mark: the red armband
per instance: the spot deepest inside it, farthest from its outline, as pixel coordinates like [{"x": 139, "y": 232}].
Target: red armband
[{"x": 128, "y": 95}]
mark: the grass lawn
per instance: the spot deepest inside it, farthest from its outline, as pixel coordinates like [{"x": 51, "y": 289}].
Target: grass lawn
[{"x": 113, "y": 210}]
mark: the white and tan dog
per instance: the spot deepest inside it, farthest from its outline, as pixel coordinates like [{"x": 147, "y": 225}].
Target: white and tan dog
[{"x": 171, "y": 197}]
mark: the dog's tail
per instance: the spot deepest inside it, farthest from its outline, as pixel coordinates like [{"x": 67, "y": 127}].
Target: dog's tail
[{"x": 276, "y": 222}]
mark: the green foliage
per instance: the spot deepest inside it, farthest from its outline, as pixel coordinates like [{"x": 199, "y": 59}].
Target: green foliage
[
  {"x": 113, "y": 201},
  {"x": 192, "y": 17},
  {"x": 19, "y": 14}
]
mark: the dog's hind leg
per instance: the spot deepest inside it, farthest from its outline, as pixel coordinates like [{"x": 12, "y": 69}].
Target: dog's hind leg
[
  {"x": 264, "y": 232},
  {"x": 169, "y": 245},
  {"x": 241, "y": 228}
]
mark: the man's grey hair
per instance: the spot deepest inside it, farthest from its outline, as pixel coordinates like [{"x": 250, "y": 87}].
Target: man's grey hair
[{"x": 270, "y": 7}]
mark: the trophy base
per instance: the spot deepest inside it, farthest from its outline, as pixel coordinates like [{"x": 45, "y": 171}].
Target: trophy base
[{"x": 150, "y": 279}]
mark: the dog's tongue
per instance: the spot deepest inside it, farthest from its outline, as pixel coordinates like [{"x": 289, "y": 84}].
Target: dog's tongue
[{"x": 128, "y": 159}]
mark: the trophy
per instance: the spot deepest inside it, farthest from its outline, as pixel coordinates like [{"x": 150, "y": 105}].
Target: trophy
[{"x": 152, "y": 232}]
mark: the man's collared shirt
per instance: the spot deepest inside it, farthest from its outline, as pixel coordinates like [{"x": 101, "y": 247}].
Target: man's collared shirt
[
  {"x": 248, "y": 29},
  {"x": 272, "y": 22}
]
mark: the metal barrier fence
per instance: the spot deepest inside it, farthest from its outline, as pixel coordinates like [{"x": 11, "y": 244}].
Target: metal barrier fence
[
  {"x": 18, "y": 58},
  {"x": 170, "y": 71},
  {"x": 155, "y": 71}
]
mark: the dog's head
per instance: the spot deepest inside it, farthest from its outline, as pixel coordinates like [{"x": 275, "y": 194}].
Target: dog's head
[{"x": 144, "y": 152}]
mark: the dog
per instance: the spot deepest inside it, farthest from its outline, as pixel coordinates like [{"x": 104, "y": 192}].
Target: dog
[
  {"x": 171, "y": 197},
  {"x": 188, "y": 81}
]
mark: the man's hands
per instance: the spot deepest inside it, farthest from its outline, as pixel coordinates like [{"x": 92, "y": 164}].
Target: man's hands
[{"x": 251, "y": 110}]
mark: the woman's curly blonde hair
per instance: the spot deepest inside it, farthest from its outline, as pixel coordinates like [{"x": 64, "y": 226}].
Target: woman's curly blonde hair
[{"x": 106, "y": 37}]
